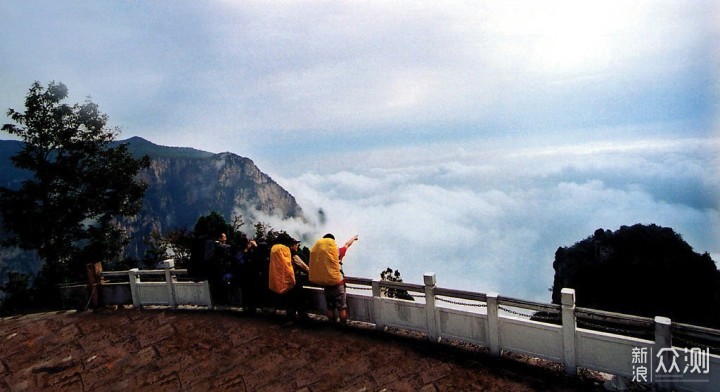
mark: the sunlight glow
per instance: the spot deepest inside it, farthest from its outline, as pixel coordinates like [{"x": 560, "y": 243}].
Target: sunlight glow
[{"x": 573, "y": 37}]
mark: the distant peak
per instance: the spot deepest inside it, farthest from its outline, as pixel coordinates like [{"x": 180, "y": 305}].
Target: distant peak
[
  {"x": 137, "y": 139},
  {"x": 140, "y": 146}
]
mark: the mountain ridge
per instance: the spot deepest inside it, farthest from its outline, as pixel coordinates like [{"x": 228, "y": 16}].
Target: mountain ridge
[
  {"x": 184, "y": 183},
  {"x": 140, "y": 146}
]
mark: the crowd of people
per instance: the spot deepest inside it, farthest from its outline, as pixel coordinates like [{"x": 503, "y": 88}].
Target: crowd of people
[{"x": 256, "y": 274}]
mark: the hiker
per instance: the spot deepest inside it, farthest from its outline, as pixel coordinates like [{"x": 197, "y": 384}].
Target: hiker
[
  {"x": 300, "y": 298},
  {"x": 260, "y": 258},
  {"x": 216, "y": 253},
  {"x": 248, "y": 274},
  {"x": 281, "y": 275},
  {"x": 237, "y": 271},
  {"x": 326, "y": 271}
]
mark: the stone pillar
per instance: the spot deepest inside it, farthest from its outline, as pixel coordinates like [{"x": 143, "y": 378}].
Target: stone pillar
[
  {"x": 134, "y": 280},
  {"x": 377, "y": 304},
  {"x": 569, "y": 325},
  {"x": 433, "y": 327},
  {"x": 170, "y": 284},
  {"x": 663, "y": 339},
  {"x": 493, "y": 320}
]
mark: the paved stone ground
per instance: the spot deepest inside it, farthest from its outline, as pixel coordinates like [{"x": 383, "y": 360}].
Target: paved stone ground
[{"x": 199, "y": 350}]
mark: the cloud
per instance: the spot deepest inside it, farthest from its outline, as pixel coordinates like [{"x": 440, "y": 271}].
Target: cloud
[
  {"x": 250, "y": 72},
  {"x": 496, "y": 226}
]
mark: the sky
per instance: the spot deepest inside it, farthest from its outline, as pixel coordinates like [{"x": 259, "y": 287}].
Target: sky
[{"x": 466, "y": 138}]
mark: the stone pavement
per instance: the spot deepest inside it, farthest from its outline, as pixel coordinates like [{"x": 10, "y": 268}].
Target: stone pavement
[{"x": 200, "y": 350}]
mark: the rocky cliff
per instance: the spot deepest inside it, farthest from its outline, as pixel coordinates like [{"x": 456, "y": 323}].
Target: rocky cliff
[{"x": 184, "y": 184}]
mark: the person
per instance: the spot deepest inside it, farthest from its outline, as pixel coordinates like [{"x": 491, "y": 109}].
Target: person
[
  {"x": 299, "y": 265},
  {"x": 198, "y": 270},
  {"x": 326, "y": 271},
  {"x": 248, "y": 274},
  {"x": 281, "y": 275},
  {"x": 235, "y": 268},
  {"x": 260, "y": 260},
  {"x": 298, "y": 298},
  {"x": 216, "y": 253}
]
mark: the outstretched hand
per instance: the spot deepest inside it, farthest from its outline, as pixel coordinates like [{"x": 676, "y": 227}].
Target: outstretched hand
[{"x": 351, "y": 240}]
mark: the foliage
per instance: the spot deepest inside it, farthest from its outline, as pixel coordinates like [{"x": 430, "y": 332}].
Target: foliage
[
  {"x": 16, "y": 293},
  {"x": 265, "y": 233},
  {"x": 180, "y": 242},
  {"x": 157, "y": 249},
  {"x": 183, "y": 245},
  {"x": 212, "y": 225},
  {"x": 390, "y": 275},
  {"x": 121, "y": 264},
  {"x": 260, "y": 230},
  {"x": 643, "y": 270},
  {"x": 176, "y": 245},
  {"x": 80, "y": 185}
]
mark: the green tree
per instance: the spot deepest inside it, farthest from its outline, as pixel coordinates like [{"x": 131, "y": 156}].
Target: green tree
[
  {"x": 265, "y": 233},
  {"x": 180, "y": 242},
  {"x": 82, "y": 183},
  {"x": 16, "y": 293},
  {"x": 157, "y": 249},
  {"x": 261, "y": 230},
  {"x": 645, "y": 270},
  {"x": 211, "y": 226},
  {"x": 177, "y": 244}
]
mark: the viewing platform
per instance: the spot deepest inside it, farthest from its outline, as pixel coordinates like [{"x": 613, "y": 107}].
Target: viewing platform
[
  {"x": 191, "y": 349},
  {"x": 482, "y": 328}
]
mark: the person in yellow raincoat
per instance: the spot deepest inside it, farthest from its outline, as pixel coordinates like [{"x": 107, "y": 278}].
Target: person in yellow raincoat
[
  {"x": 281, "y": 275},
  {"x": 325, "y": 270}
]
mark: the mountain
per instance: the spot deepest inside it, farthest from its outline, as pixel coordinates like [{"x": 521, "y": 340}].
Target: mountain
[
  {"x": 183, "y": 184},
  {"x": 646, "y": 270},
  {"x": 10, "y": 176}
]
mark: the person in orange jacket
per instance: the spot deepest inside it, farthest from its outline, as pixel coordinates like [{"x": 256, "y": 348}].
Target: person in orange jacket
[{"x": 325, "y": 270}]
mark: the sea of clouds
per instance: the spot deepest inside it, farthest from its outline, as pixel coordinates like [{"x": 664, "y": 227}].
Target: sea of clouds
[{"x": 489, "y": 217}]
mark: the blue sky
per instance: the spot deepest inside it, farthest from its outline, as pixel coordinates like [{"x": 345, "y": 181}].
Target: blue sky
[{"x": 483, "y": 134}]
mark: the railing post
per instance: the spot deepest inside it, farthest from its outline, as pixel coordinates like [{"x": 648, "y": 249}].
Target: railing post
[
  {"x": 170, "y": 284},
  {"x": 208, "y": 297},
  {"x": 493, "y": 318},
  {"x": 663, "y": 339},
  {"x": 377, "y": 304},
  {"x": 569, "y": 325},
  {"x": 433, "y": 329},
  {"x": 134, "y": 280}
]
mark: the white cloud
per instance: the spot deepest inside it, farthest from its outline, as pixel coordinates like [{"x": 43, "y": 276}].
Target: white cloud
[
  {"x": 239, "y": 76},
  {"x": 501, "y": 234}
]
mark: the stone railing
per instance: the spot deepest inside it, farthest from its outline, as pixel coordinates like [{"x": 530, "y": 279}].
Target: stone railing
[{"x": 657, "y": 351}]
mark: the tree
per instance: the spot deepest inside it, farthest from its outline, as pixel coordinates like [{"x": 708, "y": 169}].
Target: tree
[
  {"x": 211, "y": 226},
  {"x": 177, "y": 244},
  {"x": 82, "y": 183},
  {"x": 180, "y": 242},
  {"x": 157, "y": 249},
  {"x": 645, "y": 270},
  {"x": 17, "y": 295}
]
